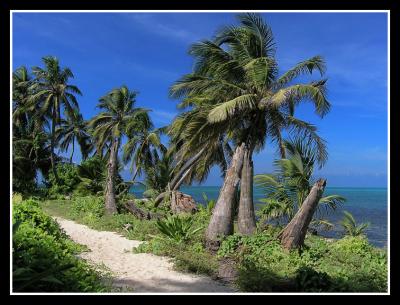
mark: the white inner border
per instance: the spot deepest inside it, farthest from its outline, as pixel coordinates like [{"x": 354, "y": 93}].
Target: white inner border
[{"x": 207, "y": 11}]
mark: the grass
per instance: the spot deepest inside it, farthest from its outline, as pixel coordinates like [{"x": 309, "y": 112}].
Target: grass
[{"x": 350, "y": 264}]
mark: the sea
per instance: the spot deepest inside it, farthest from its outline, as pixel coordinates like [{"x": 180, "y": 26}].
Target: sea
[{"x": 365, "y": 204}]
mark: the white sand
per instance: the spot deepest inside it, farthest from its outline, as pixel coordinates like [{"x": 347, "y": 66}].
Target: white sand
[{"x": 141, "y": 272}]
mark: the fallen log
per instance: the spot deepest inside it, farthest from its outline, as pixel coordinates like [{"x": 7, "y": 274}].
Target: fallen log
[{"x": 140, "y": 213}]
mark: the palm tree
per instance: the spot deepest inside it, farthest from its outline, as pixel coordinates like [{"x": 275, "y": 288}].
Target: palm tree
[
  {"x": 54, "y": 93},
  {"x": 22, "y": 85},
  {"x": 108, "y": 127},
  {"x": 350, "y": 226},
  {"x": 235, "y": 85},
  {"x": 286, "y": 190},
  {"x": 159, "y": 174},
  {"x": 30, "y": 141},
  {"x": 72, "y": 129},
  {"x": 142, "y": 147}
]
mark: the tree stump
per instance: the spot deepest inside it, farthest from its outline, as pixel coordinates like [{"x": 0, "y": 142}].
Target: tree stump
[
  {"x": 295, "y": 232},
  {"x": 182, "y": 203}
]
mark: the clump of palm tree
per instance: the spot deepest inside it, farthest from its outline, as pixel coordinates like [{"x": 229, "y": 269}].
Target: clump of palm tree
[
  {"x": 235, "y": 92},
  {"x": 118, "y": 119},
  {"x": 53, "y": 93},
  {"x": 350, "y": 226},
  {"x": 288, "y": 187},
  {"x": 31, "y": 151}
]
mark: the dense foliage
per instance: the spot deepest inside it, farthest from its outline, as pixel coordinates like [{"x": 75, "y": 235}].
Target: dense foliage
[{"x": 44, "y": 259}]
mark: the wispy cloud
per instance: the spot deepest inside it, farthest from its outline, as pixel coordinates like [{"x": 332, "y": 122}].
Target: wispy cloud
[
  {"x": 154, "y": 25},
  {"x": 162, "y": 116}
]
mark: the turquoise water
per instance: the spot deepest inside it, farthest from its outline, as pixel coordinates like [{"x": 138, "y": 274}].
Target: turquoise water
[{"x": 366, "y": 205}]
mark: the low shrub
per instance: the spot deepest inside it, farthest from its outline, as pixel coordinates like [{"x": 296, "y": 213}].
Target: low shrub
[
  {"x": 177, "y": 228},
  {"x": 44, "y": 258}
]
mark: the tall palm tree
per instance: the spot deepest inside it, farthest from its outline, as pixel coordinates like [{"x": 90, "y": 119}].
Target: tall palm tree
[
  {"x": 109, "y": 127},
  {"x": 236, "y": 75},
  {"x": 22, "y": 85},
  {"x": 54, "y": 93},
  {"x": 72, "y": 129},
  {"x": 30, "y": 141}
]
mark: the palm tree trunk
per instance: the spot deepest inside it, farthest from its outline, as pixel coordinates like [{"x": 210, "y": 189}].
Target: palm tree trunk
[
  {"x": 52, "y": 144},
  {"x": 110, "y": 201},
  {"x": 246, "y": 217},
  {"x": 221, "y": 222},
  {"x": 72, "y": 153},
  {"x": 177, "y": 181},
  {"x": 295, "y": 232}
]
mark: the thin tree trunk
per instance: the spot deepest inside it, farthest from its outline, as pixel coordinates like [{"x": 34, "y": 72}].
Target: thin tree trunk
[
  {"x": 246, "y": 217},
  {"x": 110, "y": 201},
  {"x": 295, "y": 232},
  {"x": 221, "y": 222},
  {"x": 177, "y": 182},
  {"x": 52, "y": 144},
  {"x": 72, "y": 153}
]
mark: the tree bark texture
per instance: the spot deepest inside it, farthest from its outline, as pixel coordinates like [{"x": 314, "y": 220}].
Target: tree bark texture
[
  {"x": 110, "y": 204},
  {"x": 246, "y": 215},
  {"x": 182, "y": 203},
  {"x": 295, "y": 232},
  {"x": 221, "y": 223}
]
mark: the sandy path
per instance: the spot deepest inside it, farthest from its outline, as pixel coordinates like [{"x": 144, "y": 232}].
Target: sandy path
[{"x": 141, "y": 272}]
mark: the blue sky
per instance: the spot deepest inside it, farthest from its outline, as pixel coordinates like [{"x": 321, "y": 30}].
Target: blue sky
[{"x": 148, "y": 52}]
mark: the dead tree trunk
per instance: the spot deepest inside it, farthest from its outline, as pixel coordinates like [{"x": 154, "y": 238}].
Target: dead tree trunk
[
  {"x": 110, "y": 204},
  {"x": 221, "y": 222},
  {"x": 246, "y": 217},
  {"x": 182, "y": 203},
  {"x": 295, "y": 232}
]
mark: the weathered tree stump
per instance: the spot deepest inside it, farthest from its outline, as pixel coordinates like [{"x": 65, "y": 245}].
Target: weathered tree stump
[
  {"x": 139, "y": 213},
  {"x": 295, "y": 232},
  {"x": 182, "y": 203}
]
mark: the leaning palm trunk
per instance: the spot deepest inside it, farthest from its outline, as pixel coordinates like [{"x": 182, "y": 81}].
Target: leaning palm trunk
[
  {"x": 246, "y": 217},
  {"x": 295, "y": 232},
  {"x": 221, "y": 222},
  {"x": 177, "y": 181},
  {"x": 110, "y": 204}
]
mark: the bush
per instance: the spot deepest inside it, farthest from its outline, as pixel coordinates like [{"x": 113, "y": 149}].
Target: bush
[
  {"x": 68, "y": 180},
  {"x": 44, "y": 258},
  {"x": 88, "y": 206},
  {"x": 309, "y": 280},
  {"x": 348, "y": 264}
]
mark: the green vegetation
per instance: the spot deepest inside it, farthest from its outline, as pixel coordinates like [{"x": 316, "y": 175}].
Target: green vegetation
[
  {"x": 350, "y": 226},
  {"x": 349, "y": 264},
  {"x": 288, "y": 187},
  {"x": 177, "y": 228},
  {"x": 233, "y": 102},
  {"x": 44, "y": 259}
]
